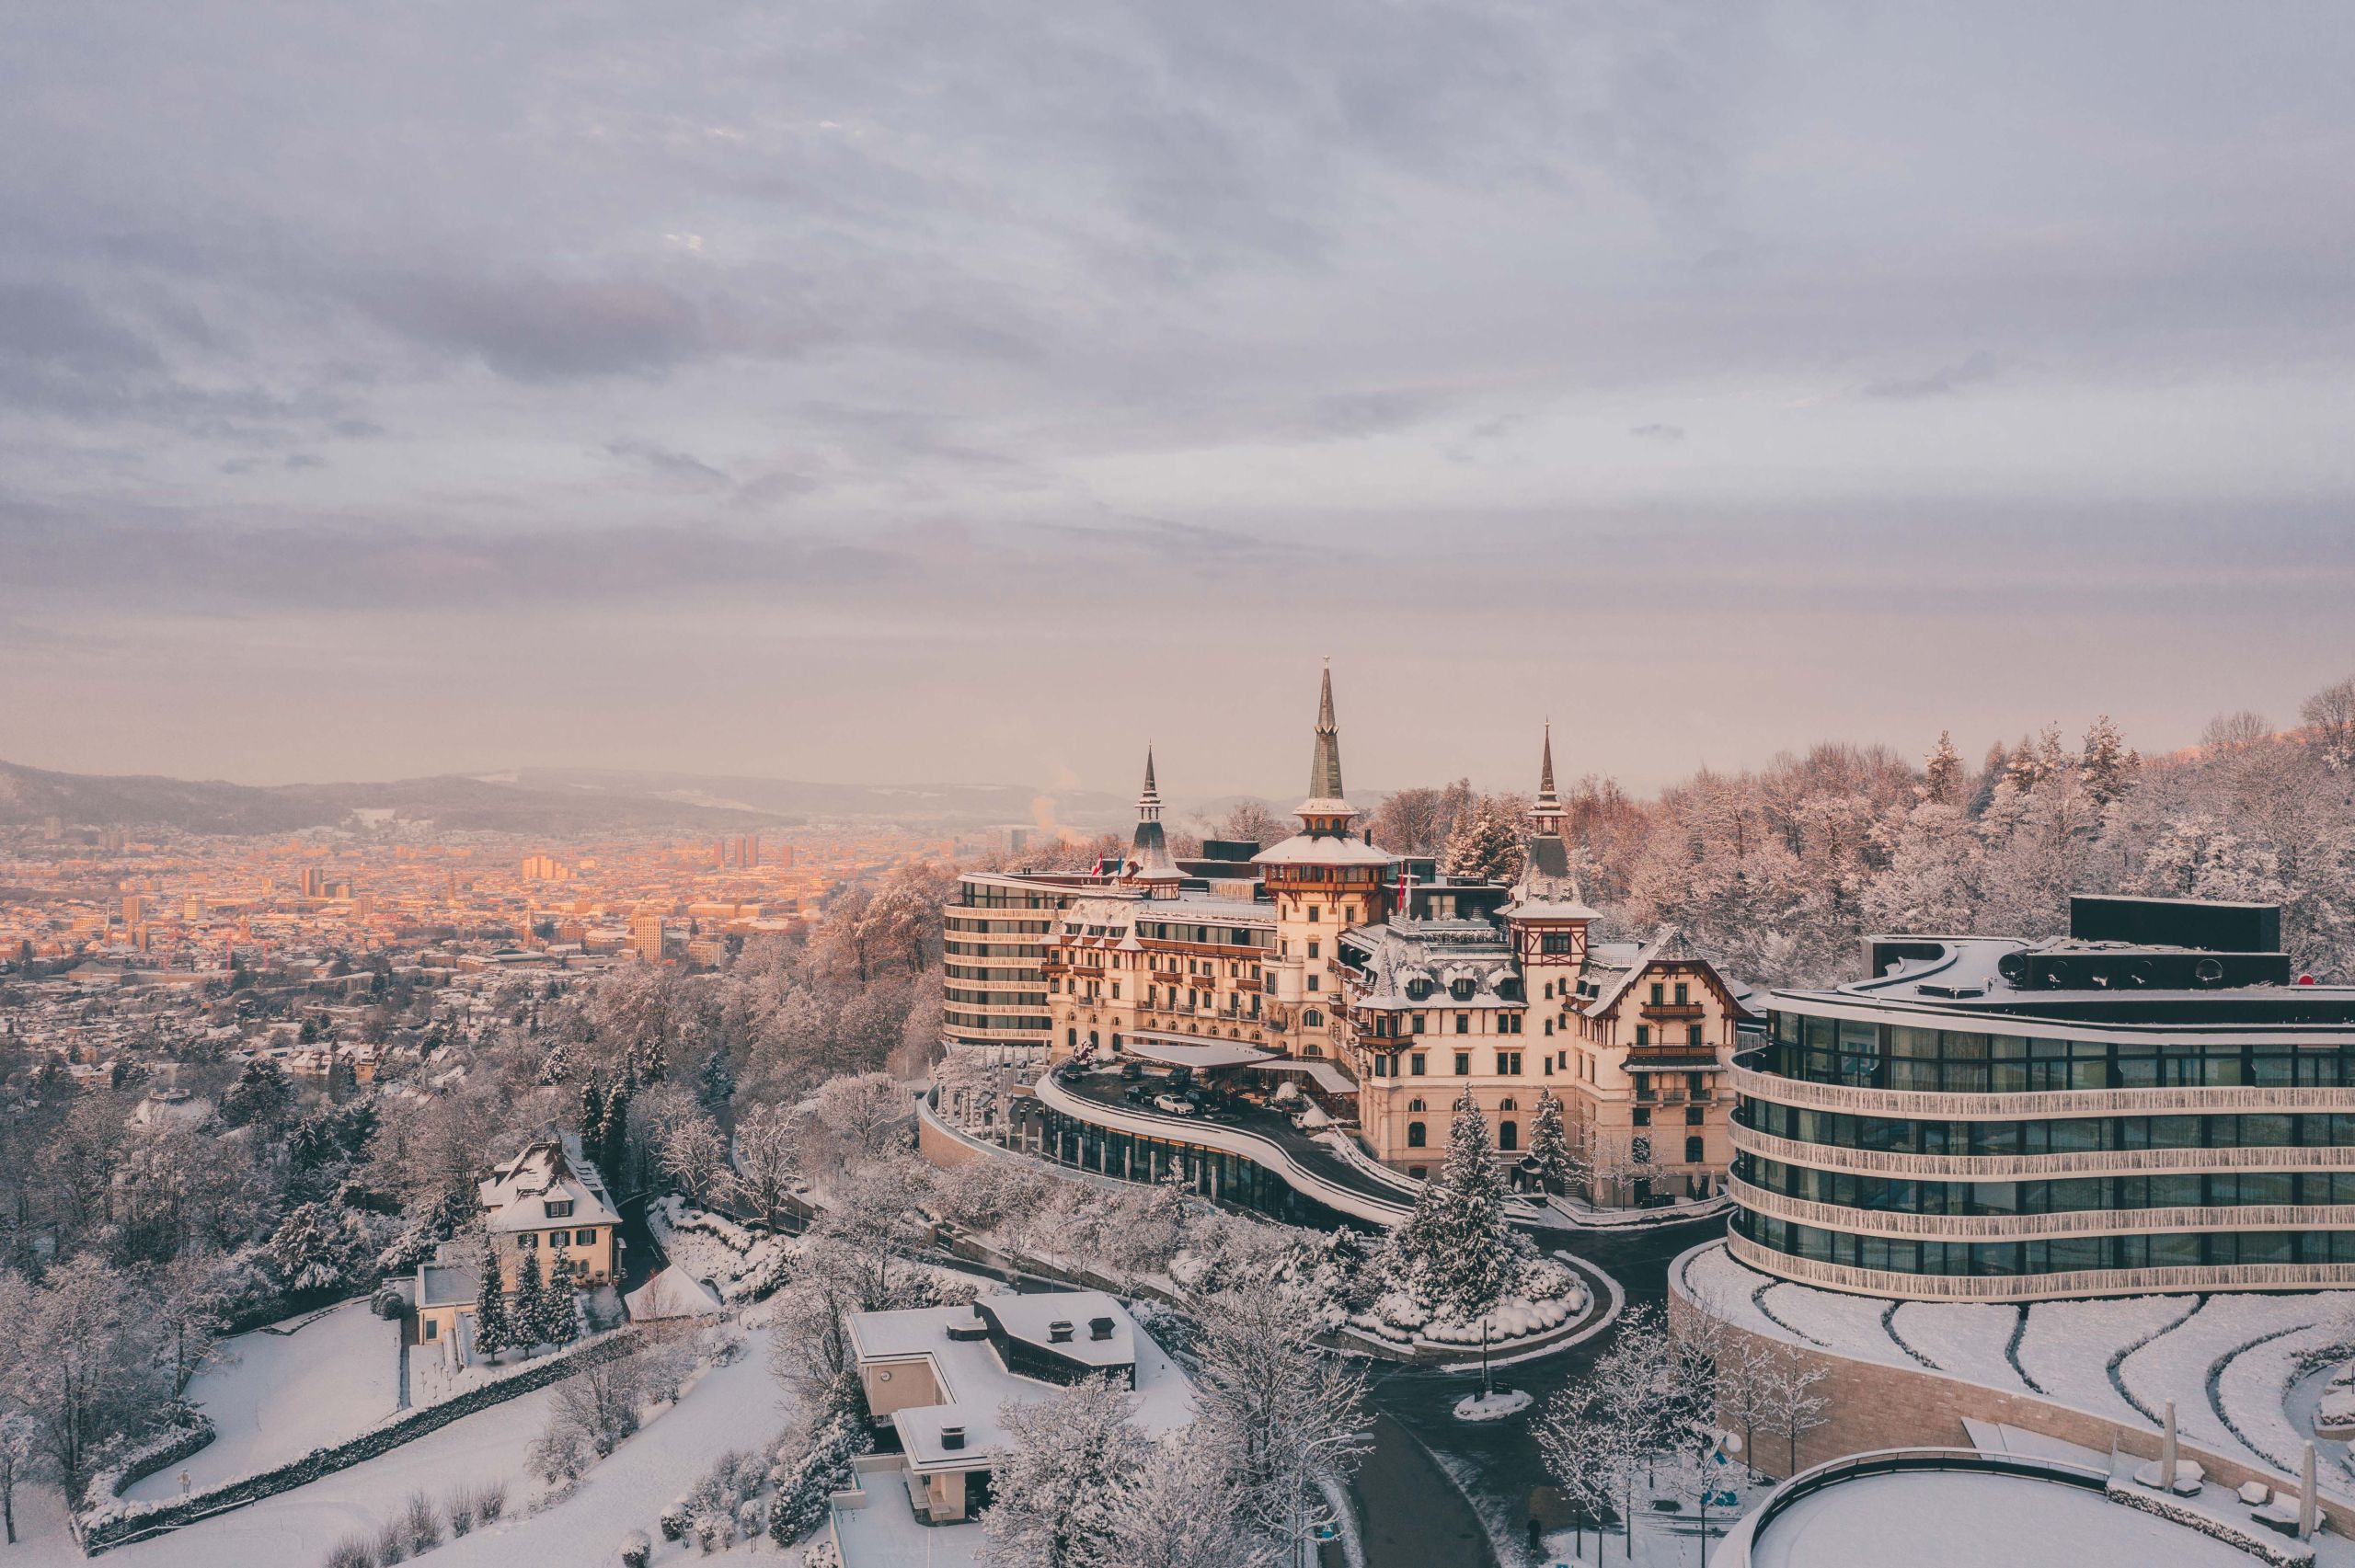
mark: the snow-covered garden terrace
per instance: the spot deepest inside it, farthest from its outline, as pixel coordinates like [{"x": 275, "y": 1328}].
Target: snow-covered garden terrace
[{"x": 2243, "y": 1369}]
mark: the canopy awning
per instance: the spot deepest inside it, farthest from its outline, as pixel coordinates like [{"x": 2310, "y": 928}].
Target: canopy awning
[
  {"x": 1324, "y": 1074},
  {"x": 1188, "y": 1050}
]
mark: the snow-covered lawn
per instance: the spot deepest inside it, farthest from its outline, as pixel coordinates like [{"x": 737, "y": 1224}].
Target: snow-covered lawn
[
  {"x": 2258, "y": 1346},
  {"x": 1969, "y": 1521},
  {"x": 735, "y": 1406},
  {"x": 1968, "y": 1341},
  {"x": 275, "y": 1397},
  {"x": 737, "y": 1262},
  {"x": 2068, "y": 1346}
]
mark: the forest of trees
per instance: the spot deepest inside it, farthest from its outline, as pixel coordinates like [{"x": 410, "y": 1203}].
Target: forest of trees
[{"x": 1777, "y": 871}]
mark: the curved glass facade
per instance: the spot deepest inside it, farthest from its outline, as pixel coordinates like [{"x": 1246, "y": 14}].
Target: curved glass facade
[{"x": 1991, "y": 1189}]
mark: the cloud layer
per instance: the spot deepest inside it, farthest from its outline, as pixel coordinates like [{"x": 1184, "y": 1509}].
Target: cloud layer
[{"x": 724, "y": 385}]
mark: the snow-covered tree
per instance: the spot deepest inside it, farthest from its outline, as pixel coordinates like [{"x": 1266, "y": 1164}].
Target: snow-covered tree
[
  {"x": 1549, "y": 1147},
  {"x": 813, "y": 1462},
  {"x": 2108, "y": 766},
  {"x": 858, "y": 1114},
  {"x": 1942, "y": 772},
  {"x": 19, "y": 1451},
  {"x": 1287, "y": 1415},
  {"x": 560, "y": 1321},
  {"x": 1793, "y": 1403},
  {"x": 1485, "y": 843},
  {"x": 312, "y": 1248},
  {"x": 493, "y": 1329},
  {"x": 529, "y": 1311},
  {"x": 1458, "y": 1244},
  {"x": 2330, "y": 714},
  {"x": 1182, "y": 1508},
  {"x": 1592, "y": 1454},
  {"x": 768, "y": 1159},
  {"x": 185, "y": 1305},
  {"x": 1052, "y": 1493},
  {"x": 693, "y": 1156}
]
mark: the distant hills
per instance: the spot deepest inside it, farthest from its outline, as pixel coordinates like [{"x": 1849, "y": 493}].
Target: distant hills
[{"x": 533, "y": 800}]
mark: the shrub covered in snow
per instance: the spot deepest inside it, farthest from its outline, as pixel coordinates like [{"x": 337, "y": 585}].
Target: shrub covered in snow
[
  {"x": 812, "y": 1464},
  {"x": 713, "y": 1512},
  {"x": 637, "y": 1550}
]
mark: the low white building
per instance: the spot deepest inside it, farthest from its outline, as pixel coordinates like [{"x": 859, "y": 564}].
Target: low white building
[{"x": 939, "y": 1377}]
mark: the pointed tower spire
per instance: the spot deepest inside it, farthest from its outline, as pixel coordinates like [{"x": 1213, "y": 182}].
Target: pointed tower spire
[
  {"x": 1149, "y": 860},
  {"x": 1325, "y": 797},
  {"x": 1545, "y": 813},
  {"x": 1149, "y": 803}
]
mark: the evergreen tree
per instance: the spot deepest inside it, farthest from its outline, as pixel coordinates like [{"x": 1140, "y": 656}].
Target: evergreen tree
[
  {"x": 593, "y": 1114},
  {"x": 1486, "y": 845},
  {"x": 529, "y": 1314},
  {"x": 1943, "y": 772},
  {"x": 1549, "y": 1148},
  {"x": 611, "y": 1145},
  {"x": 560, "y": 1324},
  {"x": 493, "y": 1332},
  {"x": 2108, "y": 767},
  {"x": 1458, "y": 1242}
]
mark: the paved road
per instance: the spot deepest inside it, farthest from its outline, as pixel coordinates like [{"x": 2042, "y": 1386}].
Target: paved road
[{"x": 1411, "y": 1510}]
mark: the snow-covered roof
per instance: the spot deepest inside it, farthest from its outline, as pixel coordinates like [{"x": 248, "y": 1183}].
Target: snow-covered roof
[
  {"x": 673, "y": 1293},
  {"x": 1324, "y": 849},
  {"x": 447, "y": 1285},
  {"x": 975, "y": 1384},
  {"x": 552, "y": 1169},
  {"x": 1438, "y": 954}
]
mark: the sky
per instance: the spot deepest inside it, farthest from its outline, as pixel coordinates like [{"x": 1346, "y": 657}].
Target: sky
[{"x": 975, "y": 392}]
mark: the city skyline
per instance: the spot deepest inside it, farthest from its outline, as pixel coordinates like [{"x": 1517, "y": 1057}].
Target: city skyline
[{"x": 862, "y": 404}]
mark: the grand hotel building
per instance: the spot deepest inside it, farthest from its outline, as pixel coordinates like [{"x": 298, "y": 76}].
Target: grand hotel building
[
  {"x": 2152, "y": 1103},
  {"x": 1382, "y": 990}
]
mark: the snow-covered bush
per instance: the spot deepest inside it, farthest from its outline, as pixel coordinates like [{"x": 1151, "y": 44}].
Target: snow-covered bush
[
  {"x": 491, "y": 1501},
  {"x": 713, "y": 1510},
  {"x": 463, "y": 1510},
  {"x": 392, "y": 1544},
  {"x": 420, "y": 1524},
  {"x": 673, "y": 1521},
  {"x": 637, "y": 1550},
  {"x": 822, "y": 1555},
  {"x": 812, "y": 1466},
  {"x": 352, "y": 1551}
]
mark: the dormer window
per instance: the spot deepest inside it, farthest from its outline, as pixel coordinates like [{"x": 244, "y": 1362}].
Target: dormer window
[
  {"x": 1417, "y": 989},
  {"x": 1462, "y": 990},
  {"x": 558, "y": 1207}
]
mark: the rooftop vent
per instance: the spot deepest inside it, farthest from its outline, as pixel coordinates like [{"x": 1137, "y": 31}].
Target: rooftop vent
[
  {"x": 1059, "y": 1331},
  {"x": 1100, "y": 1328},
  {"x": 952, "y": 1437},
  {"x": 968, "y": 1328}
]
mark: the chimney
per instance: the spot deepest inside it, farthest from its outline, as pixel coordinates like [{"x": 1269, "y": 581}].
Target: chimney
[
  {"x": 952, "y": 1437},
  {"x": 1059, "y": 1331},
  {"x": 1100, "y": 1328}
]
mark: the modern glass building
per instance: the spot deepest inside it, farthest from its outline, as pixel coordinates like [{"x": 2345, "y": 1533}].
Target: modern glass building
[
  {"x": 2153, "y": 1102},
  {"x": 994, "y": 959}
]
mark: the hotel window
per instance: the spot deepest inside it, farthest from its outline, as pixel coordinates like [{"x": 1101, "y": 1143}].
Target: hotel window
[
  {"x": 1414, "y": 1105},
  {"x": 527, "y": 1239},
  {"x": 1415, "y": 1064},
  {"x": 559, "y": 1238},
  {"x": 1313, "y": 981},
  {"x": 1312, "y": 950},
  {"x": 584, "y": 1238},
  {"x": 1693, "y": 1034},
  {"x": 1692, "y": 1155},
  {"x": 1682, "y": 998},
  {"x": 1508, "y": 1065},
  {"x": 1643, "y": 1116},
  {"x": 1414, "y": 1135},
  {"x": 1507, "y": 1136},
  {"x": 1643, "y": 1034},
  {"x": 1463, "y": 1023},
  {"x": 1420, "y": 1019},
  {"x": 1462, "y": 1064},
  {"x": 1658, "y": 993}
]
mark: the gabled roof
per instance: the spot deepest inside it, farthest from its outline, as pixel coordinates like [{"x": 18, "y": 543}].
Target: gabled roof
[
  {"x": 551, "y": 1167},
  {"x": 1667, "y": 946}
]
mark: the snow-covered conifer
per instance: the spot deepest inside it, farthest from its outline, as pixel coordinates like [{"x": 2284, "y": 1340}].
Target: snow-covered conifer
[{"x": 493, "y": 1332}]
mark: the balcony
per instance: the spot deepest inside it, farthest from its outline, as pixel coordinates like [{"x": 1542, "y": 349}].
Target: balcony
[
  {"x": 2039, "y": 1286},
  {"x": 2076, "y": 1162},
  {"x": 2027, "y": 1227},
  {"x": 1673, "y": 1012},
  {"x": 1937, "y": 1106}
]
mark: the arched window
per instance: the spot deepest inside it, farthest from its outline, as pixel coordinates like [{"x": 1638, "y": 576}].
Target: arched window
[
  {"x": 1509, "y": 1103},
  {"x": 1312, "y": 1050},
  {"x": 1414, "y": 1135},
  {"x": 1507, "y": 1136},
  {"x": 1312, "y": 1019},
  {"x": 1414, "y": 1105},
  {"x": 1071, "y": 1038}
]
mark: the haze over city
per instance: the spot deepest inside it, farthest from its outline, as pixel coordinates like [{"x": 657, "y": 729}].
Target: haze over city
[{"x": 899, "y": 398}]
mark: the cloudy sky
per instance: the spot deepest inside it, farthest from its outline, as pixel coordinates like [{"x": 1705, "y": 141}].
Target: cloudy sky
[{"x": 970, "y": 391}]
